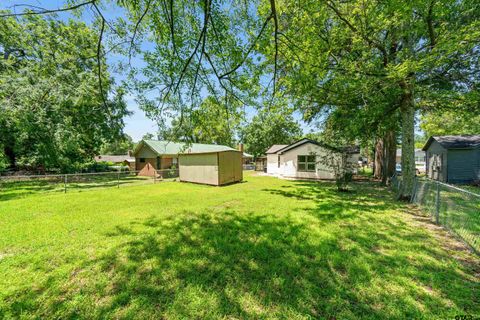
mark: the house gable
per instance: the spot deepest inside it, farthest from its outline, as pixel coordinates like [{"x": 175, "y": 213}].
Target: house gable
[
  {"x": 304, "y": 141},
  {"x": 145, "y": 151}
]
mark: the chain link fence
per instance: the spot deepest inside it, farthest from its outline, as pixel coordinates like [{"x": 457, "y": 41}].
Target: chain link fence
[
  {"x": 14, "y": 186},
  {"x": 455, "y": 208}
]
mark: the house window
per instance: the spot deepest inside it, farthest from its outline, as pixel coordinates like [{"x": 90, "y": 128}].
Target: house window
[
  {"x": 142, "y": 160},
  {"x": 175, "y": 161},
  {"x": 306, "y": 163}
]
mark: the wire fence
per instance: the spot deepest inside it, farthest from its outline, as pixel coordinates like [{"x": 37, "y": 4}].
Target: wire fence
[
  {"x": 15, "y": 186},
  {"x": 455, "y": 208}
]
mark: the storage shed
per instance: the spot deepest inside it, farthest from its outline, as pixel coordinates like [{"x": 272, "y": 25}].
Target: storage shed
[
  {"x": 213, "y": 168},
  {"x": 161, "y": 155},
  {"x": 453, "y": 159}
]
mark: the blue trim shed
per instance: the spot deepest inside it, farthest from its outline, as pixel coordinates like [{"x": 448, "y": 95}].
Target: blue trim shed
[{"x": 453, "y": 159}]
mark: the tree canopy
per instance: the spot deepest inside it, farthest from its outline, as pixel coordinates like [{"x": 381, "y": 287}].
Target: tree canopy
[
  {"x": 450, "y": 123},
  {"x": 367, "y": 67},
  {"x": 119, "y": 146},
  {"x": 270, "y": 127},
  {"x": 211, "y": 122},
  {"x": 52, "y": 112}
]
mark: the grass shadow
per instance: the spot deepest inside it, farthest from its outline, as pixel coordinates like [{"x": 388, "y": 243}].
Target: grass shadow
[{"x": 347, "y": 257}]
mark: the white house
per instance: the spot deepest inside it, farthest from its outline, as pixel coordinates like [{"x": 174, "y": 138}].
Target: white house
[
  {"x": 420, "y": 159},
  {"x": 304, "y": 159}
]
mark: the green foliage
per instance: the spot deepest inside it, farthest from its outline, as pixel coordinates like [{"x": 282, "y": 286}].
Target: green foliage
[
  {"x": 264, "y": 249},
  {"x": 360, "y": 65},
  {"x": 420, "y": 140},
  {"x": 450, "y": 123},
  {"x": 342, "y": 168},
  {"x": 211, "y": 122},
  {"x": 198, "y": 54},
  {"x": 120, "y": 146},
  {"x": 148, "y": 136},
  {"x": 269, "y": 127},
  {"x": 93, "y": 166},
  {"x": 52, "y": 115},
  {"x": 3, "y": 162}
]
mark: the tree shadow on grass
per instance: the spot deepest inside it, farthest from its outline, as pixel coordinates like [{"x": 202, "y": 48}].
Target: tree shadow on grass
[
  {"x": 242, "y": 266},
  {"x": 223, "y": 263},
  {"x": 203, "y": 265},
  {"x": 253, "y": 266}
]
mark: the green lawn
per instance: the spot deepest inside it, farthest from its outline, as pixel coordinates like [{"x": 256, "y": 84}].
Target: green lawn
[
  {"x": 266, "y": 248},
  {"x": 458, "y": 211},
  {"x": 14, "y": 187}
]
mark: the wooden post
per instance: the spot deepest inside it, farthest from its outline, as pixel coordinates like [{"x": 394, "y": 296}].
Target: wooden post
[
  {"x": 65, "y": 184},
  {"x": 154, "y": 176},
  {"x": 118, "y": 178},
  {"x": 437, "y": 205}
]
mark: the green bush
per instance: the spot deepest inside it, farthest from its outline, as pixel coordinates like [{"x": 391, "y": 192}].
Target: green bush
[
  {"x": 343, "y": 180},
  {"x": 94, "y": 166},
  {"x": 3, "y": 162}
]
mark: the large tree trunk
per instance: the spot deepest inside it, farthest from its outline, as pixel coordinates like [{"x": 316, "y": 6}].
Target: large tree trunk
[
  {"x": 407, "y": 109},
  {"x": 390, "y": 141},
  {"x": 379, "y": 159}
]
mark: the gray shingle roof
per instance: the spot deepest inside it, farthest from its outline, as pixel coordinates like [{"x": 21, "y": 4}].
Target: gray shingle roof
[
  {"x": 302, "y": 142},
  {"x": 281, "y": 148},
  {"x": 455, "y": 142},
  {"x": 275, "y": 148},
  {"x": 114, "y": 158}
]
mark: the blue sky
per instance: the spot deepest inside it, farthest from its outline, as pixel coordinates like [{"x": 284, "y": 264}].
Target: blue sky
[{"x": 137, "y": 124}]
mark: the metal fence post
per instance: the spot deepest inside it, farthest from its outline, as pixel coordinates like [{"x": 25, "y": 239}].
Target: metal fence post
[
  {"x": 437, "y": 205},
  {"x": 414, "y": 193},
  {"x": 118, "y": 179},
  {"x": 65, "y": 184}
]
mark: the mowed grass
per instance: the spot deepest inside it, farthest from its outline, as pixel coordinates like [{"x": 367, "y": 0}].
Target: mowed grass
[
  {"x": 263, "y": 249},
  {"x": 15, "y": 187}
]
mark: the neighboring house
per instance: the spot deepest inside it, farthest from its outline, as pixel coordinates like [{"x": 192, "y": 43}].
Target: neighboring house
[
  {"x": 164, "y": 154},
  {"x": 122, "y": 160},
  {"x": 453, "y": 159},
  {"x": 247, "y": 159},
  {"x": 304, "y": 159},
  {"x": 420, "y": 159},
  {"x": 261, "y": 163},
  {"x": 273, "y": 159},
  {"x": 419, "y": 156}
]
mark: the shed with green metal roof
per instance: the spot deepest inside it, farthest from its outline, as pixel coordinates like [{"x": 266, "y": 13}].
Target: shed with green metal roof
[
  {"x": 197, "y": 162},
  {"x": 161, "y": 154}
]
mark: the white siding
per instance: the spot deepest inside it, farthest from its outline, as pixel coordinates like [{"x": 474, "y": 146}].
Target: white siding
[
  {"x": 272, "y": 164},
  {"x": 289, "y": 163}
]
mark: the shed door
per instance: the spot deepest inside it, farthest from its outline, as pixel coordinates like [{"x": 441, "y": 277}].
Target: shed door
[
  {"x": 437, "y": 167},
  {"x": 462, "y": 166}
]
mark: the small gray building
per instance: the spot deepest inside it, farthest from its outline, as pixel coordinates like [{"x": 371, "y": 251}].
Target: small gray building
[{"x": 453, "y": 159}]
